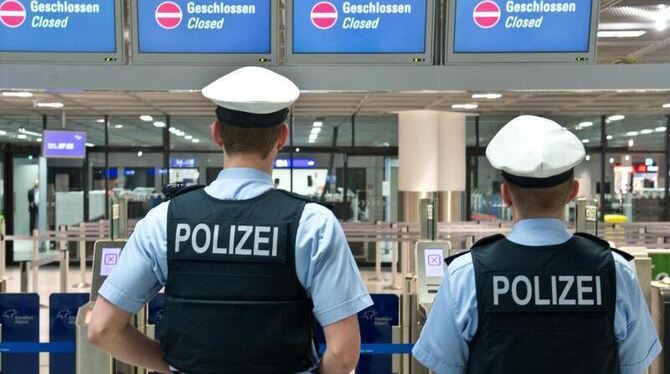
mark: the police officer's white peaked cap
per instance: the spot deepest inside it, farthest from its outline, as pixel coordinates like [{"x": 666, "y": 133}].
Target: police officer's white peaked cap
[
  {"x": 252, "y": 90},
  {"x": 535, "y": 148}
]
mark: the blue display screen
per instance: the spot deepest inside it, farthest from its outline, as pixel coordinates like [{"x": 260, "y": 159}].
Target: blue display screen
[
  {"x": 359, "y": 27},
  {"x": 72, "y": 26},
  {"x": 522, "y": 26},
  {"x": 179, "y": 26}
]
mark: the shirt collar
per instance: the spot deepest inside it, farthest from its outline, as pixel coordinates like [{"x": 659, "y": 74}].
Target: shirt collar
[
  {"x": 248, "y": 174},
  {"x": 539, "y": 232}
]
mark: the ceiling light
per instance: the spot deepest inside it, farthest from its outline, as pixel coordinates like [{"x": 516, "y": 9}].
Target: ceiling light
[
  {"x": 661, "y": 24},
  {"x": 146, "y": 118},
  {"x": 196, "y": 140},
  {"x": 3, "y": 132},
  {"x": 487, "y": 96},
  {"x": 39, "y": 140},
  {"x": 585, "y": 141},
  {"x": 49, "y": 105},
  {"x": 627, "y": 158},
  {"x": 660, "y": 129},
  {"x": 17, "y": 94},
  {"x": 646, "y": 131},
  {"x": 616, "y": 117},
  {"x": 621, "y": 33},
  {"x": 118, "y": 126},
  {"x": 22, "y": 130},
  {"x": 101, "y": 120},
  {"x": 586, "y": 124},
  {"x": 172, "y": 130},
  {"x": 160, "y": 124},
  {"x": 632, "y": 133},
  {"x": 312, "y": 141},
  {"x": 313, "y": 136},
  {"x": 318, "y": 124},
  {"x": 666, "y": 106},
  {"x": 188, "y": 137},
  {"x": 471, "y": 106},
  {"x": 610, "y": 137},
  {"x": 180, "y": 133},
  {"x": 297, "y": 150},
  {"x": 140, "y": 153},
  {"x": 611, "y": 160},
  {"x": 631, "y": 143},
  {"x": 588, "y": 157},
  {"x": 316, "y": 130},
  {"x": 90, "y": 145},
  {"x": 22, "y": 136}
]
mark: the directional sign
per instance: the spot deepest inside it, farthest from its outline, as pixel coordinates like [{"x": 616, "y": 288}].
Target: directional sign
[
  {"x": 168, "y": 15},
  {"x": 12, "y": 13},
  {"x": 324, "y": 15},
  {"x": 486, "y": 14}
]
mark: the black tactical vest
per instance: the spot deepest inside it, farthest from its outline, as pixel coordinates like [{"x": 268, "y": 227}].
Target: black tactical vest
[
  {"x": 233, "y": 301},
  {"x": 547, "y": 310}
]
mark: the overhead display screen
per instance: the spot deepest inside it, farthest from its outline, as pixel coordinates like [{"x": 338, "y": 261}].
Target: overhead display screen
[
  {"x": 64, "y": 144},
  {"x": 62, "y": 26},
  {"x": 522, "y": 26},
  {"x": 204, "y": 27},
  {"x": 359, "y": 27}
]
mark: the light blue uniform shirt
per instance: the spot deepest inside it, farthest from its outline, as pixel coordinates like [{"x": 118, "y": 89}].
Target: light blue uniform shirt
[
  {"x": 324, "y": 263},
  {"x": 452, "y": 323}
]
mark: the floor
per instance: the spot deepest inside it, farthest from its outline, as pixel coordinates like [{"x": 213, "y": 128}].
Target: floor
[{"x": 49, "y": 281}]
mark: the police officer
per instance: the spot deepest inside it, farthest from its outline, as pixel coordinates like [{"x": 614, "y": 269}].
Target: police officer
[
  {"x": 540, "y": 300},
  {"x": 245, "y": 266}
]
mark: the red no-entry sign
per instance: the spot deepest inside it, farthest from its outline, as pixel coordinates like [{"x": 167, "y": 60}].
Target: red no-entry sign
[
  {"x": 168, "y": 15},
  {"x": 486, "y": 14},
  {"x": 324, "y": 15},
  {"x": 12, "y": 13}
]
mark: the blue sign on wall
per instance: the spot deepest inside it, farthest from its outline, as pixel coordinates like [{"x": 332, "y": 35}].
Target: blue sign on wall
[
  {"x": 206, "y": 26},
  {"x": 519, "y": 26},
  {"x": 82, "y": 26},
  {"x": 20, "y": 323},
  {"x": 337, "y": 26},
  {"x": 64, "y": 144},
  {"x": 63, "y": 308}
]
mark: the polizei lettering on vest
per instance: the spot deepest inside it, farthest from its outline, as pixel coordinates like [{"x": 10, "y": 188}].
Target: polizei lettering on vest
[
  {"x": 538, "y": 290},
  {"x": 243, "y": 240}
]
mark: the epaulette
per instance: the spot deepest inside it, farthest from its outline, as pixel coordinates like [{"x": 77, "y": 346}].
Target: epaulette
[
  {"x": 488, "y": 240},
  {"x": 627, "y": 256},
  {"x": 326, "y": 205},
  {"x": 451, "y": 259},
  {"x": 173, "y": 190}
]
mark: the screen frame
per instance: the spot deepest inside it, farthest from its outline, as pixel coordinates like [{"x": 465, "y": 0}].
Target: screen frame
[
  {"x": 44, "y": 144},
  {"x": 139, "y": 58},
  {"x": 98, "y": 279},
  {"x": 521, "y": 57},
  {"x": 425, "y": 58},
  {"x": 76, "y": 57}
]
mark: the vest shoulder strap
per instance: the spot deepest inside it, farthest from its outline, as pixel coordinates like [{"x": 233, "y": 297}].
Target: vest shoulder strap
[
  {"x": 451, "y": 259},
  {"x": 627, "y": 256},
  {"x": 173, "y": 190},
  {"x": 488, "y": 240},
  {"x": 328, "y": 206}
]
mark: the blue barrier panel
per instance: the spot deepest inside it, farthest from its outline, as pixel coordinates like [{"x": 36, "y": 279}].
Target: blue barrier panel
[
  {"x": 60, "y": 347},
  {"x": 376, "y": 323},
  {"x": 63, "y": 309},
  {"x": 20, "y": 323}
]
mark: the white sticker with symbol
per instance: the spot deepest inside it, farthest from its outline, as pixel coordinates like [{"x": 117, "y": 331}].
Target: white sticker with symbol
[
  {"x": 110, "y": 258},
  {"x": 434, "y": 259}
]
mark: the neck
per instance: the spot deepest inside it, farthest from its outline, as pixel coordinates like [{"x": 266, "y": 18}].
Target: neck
[
  {"x": 249, "y": 161},
  {"x": 520, "y": 217}
]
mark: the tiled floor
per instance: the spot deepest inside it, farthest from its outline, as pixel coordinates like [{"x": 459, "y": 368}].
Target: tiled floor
[{"x": 49, "y": 281}]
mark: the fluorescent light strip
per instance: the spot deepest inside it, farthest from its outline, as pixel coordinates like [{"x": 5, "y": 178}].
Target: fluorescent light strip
[
  {"x": 487, "y": 96},
  {"x": 17, "y": 94},
  {"x": 28, "y": 132},
  {"x": 50, "y": 105},
  {"x": 621, "y": 33},
  {"x": 471, "y": 106}
]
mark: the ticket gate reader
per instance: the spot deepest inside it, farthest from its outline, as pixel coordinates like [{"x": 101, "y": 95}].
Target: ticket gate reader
[
  {"x": 430, "y": 271},
  {"x": 91, "y": 360}
]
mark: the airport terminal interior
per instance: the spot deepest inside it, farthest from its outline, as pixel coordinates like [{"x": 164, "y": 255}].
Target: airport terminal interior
[{"x": 101, "y": 107}]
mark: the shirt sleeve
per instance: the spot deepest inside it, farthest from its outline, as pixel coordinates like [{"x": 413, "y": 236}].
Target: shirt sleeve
[
  {"x": 139, "y": 276},
  {"x": 326, "y": 267},
  {"x": 452, "y": 322},
  {"x": 635, "y": 332}
]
